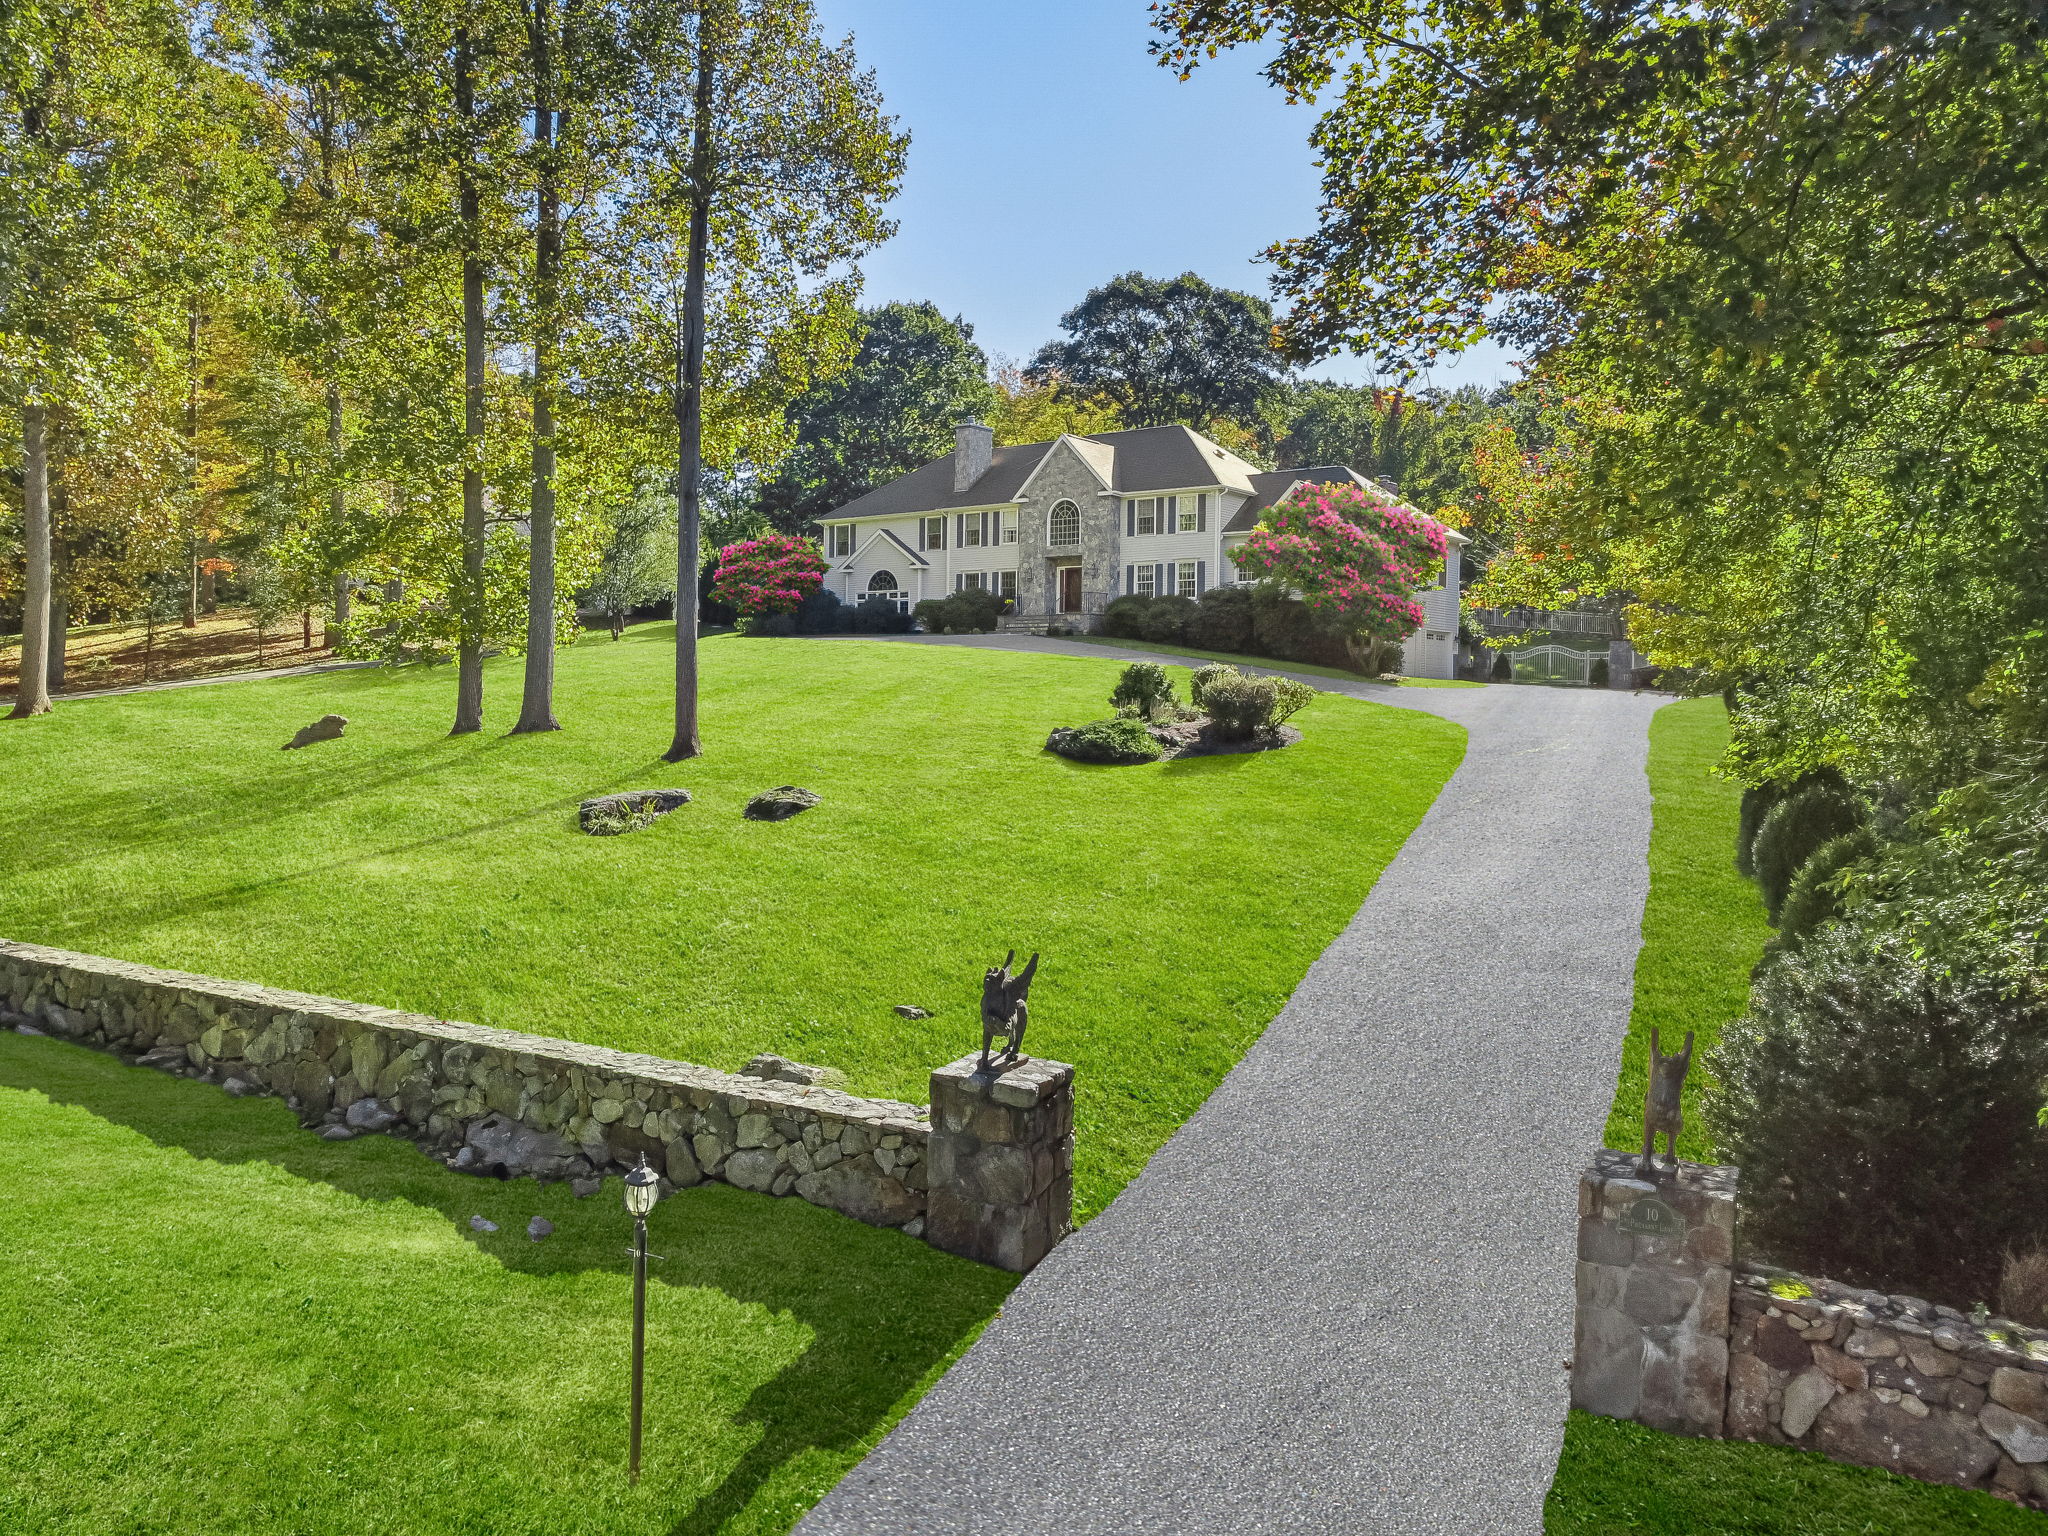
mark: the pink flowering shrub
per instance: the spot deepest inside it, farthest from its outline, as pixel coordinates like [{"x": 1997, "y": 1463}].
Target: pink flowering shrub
[
  {"x": 1355, "y": 557},
  {"x": 771, "y": 574}
]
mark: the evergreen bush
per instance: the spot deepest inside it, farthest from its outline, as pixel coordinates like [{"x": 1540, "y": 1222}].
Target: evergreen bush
[
  {"x": 1222, "y": 620},
  {"x": 1503, "y": 669},
  {"x": 1290, "y": 697},
  {"x": 1124, "y": 618},
  {"x": 1822, "y": 810},
  {"x": 1597, "y": 675},
  {"x": 1165, "y": 622},
  {"x": 879, "y": 616},
  {"x": 1242, "y": 707},
  {"x": 822, "y": 613},
  {"x": 1143, "y": 688},
  {"x": 1105, "y": 741},
  {"x": 1810, "y": 901},
  {"x": 1883, "y": 1108},
  {"x": 1757, "y": 802},
  {"x": 1198, "y": 685}
]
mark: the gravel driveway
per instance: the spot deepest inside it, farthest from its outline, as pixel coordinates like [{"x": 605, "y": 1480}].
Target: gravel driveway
[{"x": 1339, "y": 1300}]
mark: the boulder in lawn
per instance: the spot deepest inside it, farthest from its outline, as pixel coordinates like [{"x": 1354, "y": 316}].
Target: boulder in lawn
[{"x": 780, "y": 803}]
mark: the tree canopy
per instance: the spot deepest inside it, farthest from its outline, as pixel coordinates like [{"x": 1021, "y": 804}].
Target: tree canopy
[
  {"x": 1166, "y": 350},
  {"x": 915, "y": 377}
]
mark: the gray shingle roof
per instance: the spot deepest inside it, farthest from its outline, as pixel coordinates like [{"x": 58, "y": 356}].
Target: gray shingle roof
[
  {"x": 1268, "y": 486},
  {"x": 1144, "y": 459}
]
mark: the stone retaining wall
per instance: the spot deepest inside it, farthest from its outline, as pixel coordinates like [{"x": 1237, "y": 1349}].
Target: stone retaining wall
[
  {"x": 1888, "y": 1381},
  {"x": 1676, "y": 1332},
  {"x": 493, "y": 1101}
]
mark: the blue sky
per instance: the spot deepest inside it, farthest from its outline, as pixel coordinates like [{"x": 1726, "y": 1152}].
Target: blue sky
[{"x": 1049, "y": 153}]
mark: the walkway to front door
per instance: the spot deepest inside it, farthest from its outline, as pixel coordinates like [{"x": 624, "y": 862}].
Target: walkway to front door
[{"x": 1070, "y": 589}]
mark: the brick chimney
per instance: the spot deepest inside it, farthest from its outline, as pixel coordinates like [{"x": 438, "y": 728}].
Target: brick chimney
[{"x": 973, "y": 446}]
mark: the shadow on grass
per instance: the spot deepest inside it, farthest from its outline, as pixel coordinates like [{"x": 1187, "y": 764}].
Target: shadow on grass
[
  {"x": 154, "y": 911},
  {"x": 885, "y": 1311}
]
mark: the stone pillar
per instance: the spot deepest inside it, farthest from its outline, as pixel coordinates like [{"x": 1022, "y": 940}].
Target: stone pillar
[
  {"x": 1001, "y": 1161},
  {"x": 1655, "y": 1262},
  {"x": 1621, "y": 664}
]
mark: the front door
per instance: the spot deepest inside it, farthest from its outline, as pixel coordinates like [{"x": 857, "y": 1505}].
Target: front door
[{"x": 1070, "y": 589}]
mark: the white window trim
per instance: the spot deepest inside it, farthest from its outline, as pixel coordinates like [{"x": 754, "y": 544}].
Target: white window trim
[{"x": 1053, "y": 512}]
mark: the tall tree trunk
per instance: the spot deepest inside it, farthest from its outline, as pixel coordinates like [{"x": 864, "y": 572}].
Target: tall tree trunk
[
  {"x": 32, "y": 691},
  {"x": 191, "y": 615},
  {"x": 469, "y": 655},
  {"x": 337, "y": 506},
  {"x": 537, "y": 702},
  {"x": 60, "y": 573},
  {"x": 690, "y": 404},
  {"x": 209, "y": 601}
]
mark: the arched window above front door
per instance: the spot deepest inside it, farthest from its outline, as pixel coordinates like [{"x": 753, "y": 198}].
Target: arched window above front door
[
  {"x": 1063, "y": 525},
  {"x": 884, "y": 582}
]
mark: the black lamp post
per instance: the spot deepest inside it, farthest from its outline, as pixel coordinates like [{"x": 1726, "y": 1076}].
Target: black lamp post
[{"x": 641, "y": 1193}]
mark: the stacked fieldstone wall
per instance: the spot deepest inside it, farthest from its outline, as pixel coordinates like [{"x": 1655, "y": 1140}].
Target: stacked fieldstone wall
[
  {"x": 1888, "y": 1381},
  {"x": 492, "y": 1101},
  {"x": 1676, "y": 1331}
]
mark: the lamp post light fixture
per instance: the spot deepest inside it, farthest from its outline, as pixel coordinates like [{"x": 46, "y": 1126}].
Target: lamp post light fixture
[{"x": 642, "y": 1190}]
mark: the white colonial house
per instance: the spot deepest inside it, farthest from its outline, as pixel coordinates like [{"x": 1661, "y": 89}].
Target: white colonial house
[{"x": 1063, "y": 527}]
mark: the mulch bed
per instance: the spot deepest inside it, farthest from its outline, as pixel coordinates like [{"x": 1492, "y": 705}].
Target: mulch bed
[{"x": 1198, "y": 738}]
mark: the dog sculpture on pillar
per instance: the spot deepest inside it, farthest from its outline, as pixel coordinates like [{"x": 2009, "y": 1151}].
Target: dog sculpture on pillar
[
  {"x": 1004, "y": 1010},
  {"x": 1662, "y": 1115}
]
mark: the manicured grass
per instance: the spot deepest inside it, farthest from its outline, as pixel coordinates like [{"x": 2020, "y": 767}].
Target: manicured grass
[
  {"x": 1703, "y": 926},
  {"x": 1303, "y": 667},
  {"x": 1176, "y": 904},
  {"x": 1619, "y": 1479},
  {"x": 214, "y": 1322},
  {"x": 1703, "y": 931}
]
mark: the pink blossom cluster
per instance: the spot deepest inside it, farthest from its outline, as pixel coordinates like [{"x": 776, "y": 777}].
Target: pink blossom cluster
[
  {"x": 771, "y": 574},
  {"x": 1354, "y": 557}
]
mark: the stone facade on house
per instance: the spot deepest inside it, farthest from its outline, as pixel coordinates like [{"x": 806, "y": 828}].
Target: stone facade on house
[
  {"x": 1676, "y": 1331},
  {"x": 494, "y": 1101}
]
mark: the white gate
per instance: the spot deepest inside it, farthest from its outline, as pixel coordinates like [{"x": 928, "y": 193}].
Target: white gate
[{"x": 1554, "y": 664}]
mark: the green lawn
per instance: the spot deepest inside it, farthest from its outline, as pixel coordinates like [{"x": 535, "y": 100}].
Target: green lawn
[
  {"x": 1176, "y": 904},
  {"x": 1305, "y": 668},
  {"x": 1703, "y": 931},
  {"x": 1619, "y": 1479},
  {"x": 1703, "y": 926},
  {"x": 214, "y": 1322}
]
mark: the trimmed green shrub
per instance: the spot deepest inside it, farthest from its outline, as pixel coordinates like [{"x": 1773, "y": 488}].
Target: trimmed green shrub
[
  {"x": 821, "y": 613},
  {"x": 1503, "y": 669},
  {"x": 1124, "y": 618},
  {"x": 1882, "y": 1105},
  {"x": 1809, "y": 902},
  {"x": 1389, "y": 659},
  {"x": 1291, "y": 697},
  {"x": 972, "y": 611},
  {"x": 774, "y": 625},
  {"x": 1165, "y": 622},
  {"x": 879, "y": 616},
  {"x": 1143, "y": 688},
  {"x": 1241, "y": 706},
  {"x": 1105, "y": 741},
  {"x": 1797, "y": 826},
  {"x": 1597, "y": 675},
  {"x": 1198, "y": 685},
  {"x": 1757, "y": 801},
  {"x": 1222, "y": 620},
  {"x": 1284, "y": 629}
]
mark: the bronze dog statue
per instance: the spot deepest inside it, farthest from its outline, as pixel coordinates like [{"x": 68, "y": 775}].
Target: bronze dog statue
[{"x": 1662, "y": 1115}]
